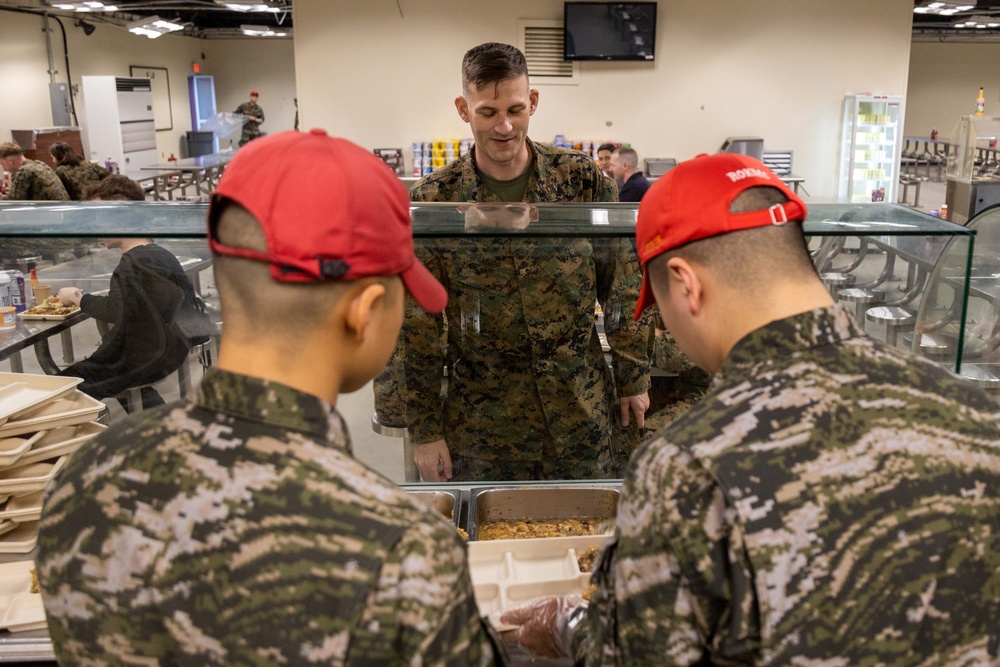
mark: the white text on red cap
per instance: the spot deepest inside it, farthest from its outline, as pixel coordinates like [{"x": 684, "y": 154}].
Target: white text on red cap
[{"x": 749, "y": 172}]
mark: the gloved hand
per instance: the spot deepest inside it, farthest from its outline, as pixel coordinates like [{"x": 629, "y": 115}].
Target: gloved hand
[{"x": 544, "y": 625}]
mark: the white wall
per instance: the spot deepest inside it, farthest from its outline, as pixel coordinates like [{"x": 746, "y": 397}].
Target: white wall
[
  {"x": 773, "y": 68},
  {"x": 944, "y": 82},
  {"x": 237, "y": 65}
]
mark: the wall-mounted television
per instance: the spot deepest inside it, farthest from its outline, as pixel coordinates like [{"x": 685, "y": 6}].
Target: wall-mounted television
[{"x": 609, "y": 30}]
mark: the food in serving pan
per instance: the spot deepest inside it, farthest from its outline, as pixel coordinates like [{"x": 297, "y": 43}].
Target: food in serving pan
[
  {"x": 52, "y": 306},
  {"x": 517, "y": 529},
  {"x": 587, "y": 558}
]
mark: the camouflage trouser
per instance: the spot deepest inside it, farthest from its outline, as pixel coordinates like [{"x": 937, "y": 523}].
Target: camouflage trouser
[
  {"x": 670, "y": 397},
  {"x": 467, "y": 469},
  {"x": 248, "y": 136}
]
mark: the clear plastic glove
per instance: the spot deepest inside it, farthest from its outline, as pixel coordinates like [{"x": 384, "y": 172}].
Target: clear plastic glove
[{"x": 544, "y": 625}]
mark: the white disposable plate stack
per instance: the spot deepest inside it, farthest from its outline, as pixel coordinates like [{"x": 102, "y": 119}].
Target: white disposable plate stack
[
  {"x": 510, "y": 573},
  {"x": 43, "y": 420}
]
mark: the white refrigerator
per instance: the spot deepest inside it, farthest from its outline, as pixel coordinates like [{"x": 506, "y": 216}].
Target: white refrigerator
[{"x": 871, "y": 148}]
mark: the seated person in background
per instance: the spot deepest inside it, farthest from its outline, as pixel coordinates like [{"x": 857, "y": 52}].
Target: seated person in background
[
  {"x": 604, "y": 152},
  {"x": 831, "y": 500},
  {"x": 237, "y": 528},
  {"x": 149, "y": 301},
  {"x": 75, "y": 173},
  {"x": 625, "y": 170},
  {"x": 31, "y": 180}
]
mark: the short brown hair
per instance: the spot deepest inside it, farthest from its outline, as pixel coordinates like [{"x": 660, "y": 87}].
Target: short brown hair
[
  {"x": 750, "y": 258},
  {"x": 116, "y": 188},
  {"x": 491, "y": 63},
  {"x": 9, "y": 148}
]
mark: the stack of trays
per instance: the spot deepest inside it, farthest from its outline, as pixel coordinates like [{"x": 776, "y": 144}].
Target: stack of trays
[
  {"x": 43, "y": 420},
  {"x": 510, "y": 573}
]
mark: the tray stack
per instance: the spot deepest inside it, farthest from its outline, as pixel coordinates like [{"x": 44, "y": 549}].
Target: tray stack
[{"x": 43, "y": 420}]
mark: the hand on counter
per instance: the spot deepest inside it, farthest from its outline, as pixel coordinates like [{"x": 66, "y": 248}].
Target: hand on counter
[
  {"x": 637, "y": 405},
  {"x": 433, "y": 461},
  {"x": 70, "y": 295},
  {"x": 545, "y": 626}
]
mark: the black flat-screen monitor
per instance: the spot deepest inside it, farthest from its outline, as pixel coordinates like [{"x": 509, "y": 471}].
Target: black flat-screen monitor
[{"x": 609, "y": 30}]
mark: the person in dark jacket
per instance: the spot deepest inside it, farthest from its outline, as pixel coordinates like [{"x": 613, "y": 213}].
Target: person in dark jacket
[
  {"x": 148, "y": 294},
  {"x": 625, "y": 170}
]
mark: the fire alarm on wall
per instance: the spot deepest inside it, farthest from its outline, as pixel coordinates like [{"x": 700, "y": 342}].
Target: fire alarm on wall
[{"x": 196, "y": 68}]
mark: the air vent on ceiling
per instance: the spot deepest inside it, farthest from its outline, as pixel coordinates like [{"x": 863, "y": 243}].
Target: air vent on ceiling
[{"x": 542, "y": 44}]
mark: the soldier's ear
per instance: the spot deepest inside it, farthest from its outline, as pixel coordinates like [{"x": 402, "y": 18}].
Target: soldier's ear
[
  {"x": 533, "y": 98},
  {"x": 463, "y": 108}
]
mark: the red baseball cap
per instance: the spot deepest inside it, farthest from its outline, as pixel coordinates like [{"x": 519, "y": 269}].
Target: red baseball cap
[
  {"x": 254, "y": 92},
  {"x": 691, "y": 202},
  {"x": 330, "y": 210}
]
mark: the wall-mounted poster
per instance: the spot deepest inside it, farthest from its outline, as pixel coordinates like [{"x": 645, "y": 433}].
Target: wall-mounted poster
[{"x": 160, "y": 80}]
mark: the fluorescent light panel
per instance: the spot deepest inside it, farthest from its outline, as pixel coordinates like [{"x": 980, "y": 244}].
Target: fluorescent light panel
[
  {"x": 153, "y": 27},
  {"x": 261, "y": 31},
  {"x": 89, "y": 6}
]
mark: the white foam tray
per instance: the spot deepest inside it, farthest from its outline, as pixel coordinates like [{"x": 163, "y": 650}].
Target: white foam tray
[
  {"x": 22, "y": 508},
  {"x": 20, "y": 609},
  {"x": 75, "y": 408},
  {"x": 61, "y": 441},
  {"x": 30, "y": 478},
  {"x": 510, "y": 573},
  {"x": 21, "y": 539},
  {"x": 14, "y": 448},
  {"x": 21, "y": 393}
]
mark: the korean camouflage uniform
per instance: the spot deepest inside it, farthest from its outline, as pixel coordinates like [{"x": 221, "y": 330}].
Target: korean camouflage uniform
[
  {"x": 831, "y": 501},
  {"x": 239, "y": 530},
  {"x": 77, "y": 178},
  {"x": 36, "y": 181},
  {"x": 251, "y": 128},
  {"x": 527, "y": 381}
]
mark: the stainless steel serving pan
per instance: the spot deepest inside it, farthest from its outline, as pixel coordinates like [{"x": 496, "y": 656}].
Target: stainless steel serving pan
[
  {"x": 540, "y": 503},
  {"x": 448, "y": 503}
]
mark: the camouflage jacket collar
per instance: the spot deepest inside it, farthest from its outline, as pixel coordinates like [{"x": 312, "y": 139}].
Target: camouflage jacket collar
[
  {"x": 540, "y": 187},
  {"x": 782, "y": 338},
  {"x": 272, "y": 403}
]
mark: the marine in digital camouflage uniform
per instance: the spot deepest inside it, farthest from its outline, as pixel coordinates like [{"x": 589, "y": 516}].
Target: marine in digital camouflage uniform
[
  {"x": 190, "y": 574},
  {"x": 832, "y": 501},
  {"x": 36, "y": 181},
  {"x": 251, "y": 128},
  {"x": 77, "y": 178},
  {"x": 527, "y": 381}
]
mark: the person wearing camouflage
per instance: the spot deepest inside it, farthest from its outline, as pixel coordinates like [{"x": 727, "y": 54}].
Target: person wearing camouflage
[
  {"x": 832, "y": 500},
  {"x": 75, "y": 173},
  {"x": 31, "y": 180},
  {"x": 529, "y": 394},
  {"x": 254, "y": 117},
  {"x": 237, "y": 528}
]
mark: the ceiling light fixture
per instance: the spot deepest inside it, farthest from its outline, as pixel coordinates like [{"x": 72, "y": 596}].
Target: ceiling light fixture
[
  {"x": 262, "y": 31},
  {"x": 249, "y": 6},
  {"x": 153, "y": 27},
  {"x": 89, "y": 6},
  {"x": 944, "y": 8}
]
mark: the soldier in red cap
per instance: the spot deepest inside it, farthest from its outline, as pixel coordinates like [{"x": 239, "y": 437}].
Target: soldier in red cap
[
  {"x": 254, "y": 117},
  {"x": 831, "y": 501},
  {"x": 237, "y": 528}
]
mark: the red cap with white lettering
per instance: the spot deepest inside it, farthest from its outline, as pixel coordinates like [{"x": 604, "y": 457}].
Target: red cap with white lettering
[{"x": 692, "y": 201}]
